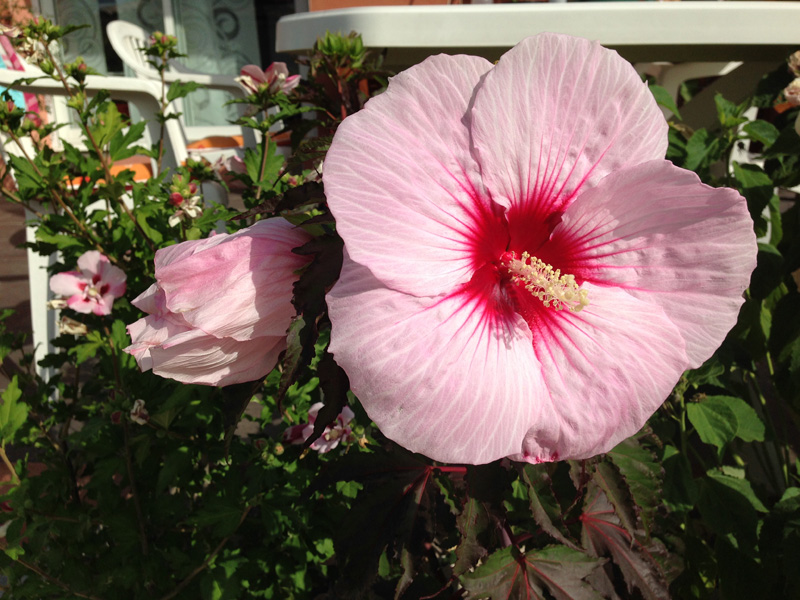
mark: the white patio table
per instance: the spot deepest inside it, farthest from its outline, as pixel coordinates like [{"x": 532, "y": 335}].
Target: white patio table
[{"x": 704, "y": 36}]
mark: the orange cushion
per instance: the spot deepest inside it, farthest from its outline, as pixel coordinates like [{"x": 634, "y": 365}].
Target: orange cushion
[
  {"x": 141, "y": 166},
  {"x": 217, "y": 141}
]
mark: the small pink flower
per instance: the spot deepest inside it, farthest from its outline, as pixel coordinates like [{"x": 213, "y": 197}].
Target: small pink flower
[
  {"x": 524, "y": 274},
  {"x": 220, "y": 307},
  {"x": 139, "y": 414},
  {"x": 792, "y": 92},
  {"x": 339, "y": 431},
  {"x": 176, "y": 199},
  {"x": 93, "y": 288},
  {"x": 275, "y": 79}
]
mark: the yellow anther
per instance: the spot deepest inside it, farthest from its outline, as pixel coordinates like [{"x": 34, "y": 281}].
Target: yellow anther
[{"x": 545, "y": 283}]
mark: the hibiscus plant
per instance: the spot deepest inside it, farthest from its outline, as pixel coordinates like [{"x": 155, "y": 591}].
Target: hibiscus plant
[{"x": 475, "y": 331}]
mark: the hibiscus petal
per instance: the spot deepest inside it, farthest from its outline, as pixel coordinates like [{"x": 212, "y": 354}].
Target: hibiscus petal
[
  {"x": 606, "y": 369},
  {"x": 195, "y": 357},
  {"x": 114, "y": 277},
  {"x": 103, "y": 305},
  {"x": 656, "y": 231},
  {"x": 92, "y": 261},
  {"x": 80, "y": 304},
  {"x": 170, "y": 254},
  {"x": 435, "y": 375},
  {"x": 558, "y": 113},
  {"x": 401, "y": 181},
  {"x": 68, "y": 283},
  {"x": 148, "y": 332},
  {"x": 151, "y": 301},
  {"x": 239, "y": 288}
]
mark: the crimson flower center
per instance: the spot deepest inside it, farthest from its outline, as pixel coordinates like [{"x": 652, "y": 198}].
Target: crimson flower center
[{"x": 544, "y": 282}]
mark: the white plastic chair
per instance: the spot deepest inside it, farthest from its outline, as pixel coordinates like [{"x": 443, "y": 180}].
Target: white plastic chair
[{"x": 126, "y": 40}]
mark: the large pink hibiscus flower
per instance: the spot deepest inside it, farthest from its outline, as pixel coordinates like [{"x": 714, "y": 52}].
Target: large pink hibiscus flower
[{"x": 525, "y": 275}]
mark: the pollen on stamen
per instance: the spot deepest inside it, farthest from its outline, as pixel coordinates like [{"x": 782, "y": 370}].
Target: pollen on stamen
[{"x": 545, "y": 283}]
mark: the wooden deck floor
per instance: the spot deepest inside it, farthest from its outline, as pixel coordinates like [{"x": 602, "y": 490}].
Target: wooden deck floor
[{"x": 13, "y": 273}]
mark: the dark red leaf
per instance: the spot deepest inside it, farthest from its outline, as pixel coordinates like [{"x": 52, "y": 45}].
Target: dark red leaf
[
  {"x": 604, "y": 535},
  {"x": 510, "y": 573}
]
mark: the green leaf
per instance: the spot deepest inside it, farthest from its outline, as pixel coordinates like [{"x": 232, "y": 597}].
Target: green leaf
[
  {"x": 181, "y": 89},
  {"x": 509, "y": 573},
  {"x": 12, "y": 412},
  {"x": 106, "y": 123},
  {"x": 707, "y": 373},
  {"x": 272, "y": 165},
  {"x": 680, "y": 489},
  {"x": 739, "y": 486},
  {"x": 85, "y": 351},
  {"x": 176, "y": 463},
  {"x": 663, "y": 98},
  {"x": 61, "y": 241},
  {"x": 750, "y": 427},
  {"x": 729, "y": 507},
  {"x": 153, "y": 234},
  {"x": 700, "y": 146},
  {"x": 770, "y": 271},
  {"x": 729, "y": 114},
  {"x": 715, "y": 422},
  {"x": 119, "y": 148},
  {"x": 756, "y": 186},
  {"x": 222, "y": 516},
  {"x": 762, "y": 131}
]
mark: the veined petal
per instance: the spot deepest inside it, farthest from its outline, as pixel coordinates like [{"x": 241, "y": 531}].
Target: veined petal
[
  {"x": 170, "y": 254},
  {"x": 438, "y": 376},
  {"x": 607, "y": 369},
  {"x": 151, "y": 331},
  {"x": 558, "y": 113},
  {"x": 92, "y": 261},
  {"x": 196, "y": 357},
  {"x": 402, "y": 183},
  {"x": 256, "y": 269},
  {"x": 68, "y": 283},
  {"x": 82, "y": 305},
  {"x": 667, "y": 239},
  {"x": 114, "y": 277}
]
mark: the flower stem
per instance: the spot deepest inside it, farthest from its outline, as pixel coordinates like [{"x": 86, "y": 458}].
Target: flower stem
[
  {"x": 11, "y": 470},
  {"x": 134, "y": 494},
  {"x": 53, "y": 580}
]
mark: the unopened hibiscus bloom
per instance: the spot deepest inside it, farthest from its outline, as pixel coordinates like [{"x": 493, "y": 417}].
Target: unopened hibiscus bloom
[
  {"x": 93, "y": 288},
  {"x": 338, "y": 431},
  {"x": 525, "y": 275},
  {"x": 220, "y": 307}
]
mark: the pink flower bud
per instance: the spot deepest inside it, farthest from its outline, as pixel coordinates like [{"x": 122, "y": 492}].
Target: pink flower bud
[
  {"x": 176, "y": 199},
  {"x": 225, "y": 301}
]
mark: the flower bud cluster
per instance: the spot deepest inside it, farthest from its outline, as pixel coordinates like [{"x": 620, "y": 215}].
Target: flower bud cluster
[{"x": 184, "y": 196}]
